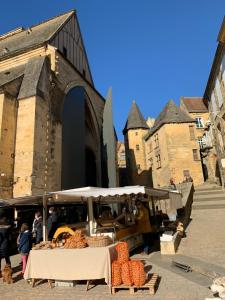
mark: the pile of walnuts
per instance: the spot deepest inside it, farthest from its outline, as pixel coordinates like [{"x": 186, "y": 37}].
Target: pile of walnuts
[{"x": 78, "y": 240}]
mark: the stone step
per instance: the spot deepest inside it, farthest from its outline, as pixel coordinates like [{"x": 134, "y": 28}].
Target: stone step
[
  {"x": 209, "y": 192},
  {"x": 210, "y": 201},
  {"x": 208, "y": 206},
  {"x": 212, "y": 196},
  {"x": 199, "y": 266},
  {"x": 208, "y": 187}
]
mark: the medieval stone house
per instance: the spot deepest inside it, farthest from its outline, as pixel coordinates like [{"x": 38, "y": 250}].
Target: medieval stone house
[
  {"x": 167, "y": 150},
  {"x": 196, "y": 108},
  {"x": 51, "y": 115},
  {"x": 215, "y": 96}
]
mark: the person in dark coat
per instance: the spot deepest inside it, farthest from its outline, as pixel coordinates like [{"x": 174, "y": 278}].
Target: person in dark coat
[
  {"x": 52, "y": 222},
  {"x": 37, "y": 230},
  {"x": 25, "y": 244},
  {"x": 4, "y": 241}
]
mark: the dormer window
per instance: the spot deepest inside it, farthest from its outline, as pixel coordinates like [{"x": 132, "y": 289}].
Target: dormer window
[{"x": 199, "y": 122}]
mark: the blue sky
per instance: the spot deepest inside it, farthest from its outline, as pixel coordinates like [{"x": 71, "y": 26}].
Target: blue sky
[{"x": 147, "y": 50}]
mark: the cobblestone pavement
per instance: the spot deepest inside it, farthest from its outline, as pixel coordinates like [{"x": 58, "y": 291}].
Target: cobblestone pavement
[
  {"x": 171, "y": 287},
  {"x": 205, "y": 241}
]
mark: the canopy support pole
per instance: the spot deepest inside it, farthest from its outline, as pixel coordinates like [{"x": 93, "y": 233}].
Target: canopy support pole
[
  {"x": 45, "y": 208},
  {"x": 90, "y": 214}
]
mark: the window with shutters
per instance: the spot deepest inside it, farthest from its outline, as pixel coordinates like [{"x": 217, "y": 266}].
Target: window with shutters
[
  {"x": 156, "y": 139},
  {"x": 192, "y": 132},
  {"x": 195, "y": 154},
  {"x": 202, "y": 142},
  {"x": 158, "y": 161},
  {"x": 199, "y": 122},
  {"x": 151, "y": 163}
]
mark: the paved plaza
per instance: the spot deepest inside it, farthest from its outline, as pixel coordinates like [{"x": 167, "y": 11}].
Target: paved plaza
[{"x": 204, "y": 247}]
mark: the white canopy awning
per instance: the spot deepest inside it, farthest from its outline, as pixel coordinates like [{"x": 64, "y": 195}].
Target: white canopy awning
[{"x": 97, "y": 192}]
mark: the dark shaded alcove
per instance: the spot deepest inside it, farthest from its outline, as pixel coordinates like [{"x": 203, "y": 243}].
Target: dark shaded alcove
[
  {"x": 90, "y": 168},
  {"x": 73, "y": 139}
]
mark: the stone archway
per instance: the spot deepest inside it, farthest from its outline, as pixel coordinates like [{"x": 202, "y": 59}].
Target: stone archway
[{"x": 80, "y": 141}]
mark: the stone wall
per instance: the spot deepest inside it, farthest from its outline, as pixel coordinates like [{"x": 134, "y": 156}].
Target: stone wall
[
  {"x": 161, "y": 172},
  {"x": 24, "y": 150},
  {"x": 8, "y": 116},
  {"x": 137, "y": 170},
  {"x": 176, "y": 155},
  {"x": 35, "y": 131}
]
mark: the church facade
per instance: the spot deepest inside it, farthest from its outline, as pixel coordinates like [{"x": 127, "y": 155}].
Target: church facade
[{"x": 51, "y": 115}]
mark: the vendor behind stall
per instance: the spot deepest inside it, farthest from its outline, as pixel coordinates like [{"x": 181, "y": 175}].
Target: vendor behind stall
[
  {"x": 52, "y": 222},
  {"x": 144, "y": 225}
]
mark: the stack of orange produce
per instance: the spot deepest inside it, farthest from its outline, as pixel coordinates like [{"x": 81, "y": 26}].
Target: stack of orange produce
[{"x": 126, "y": 271}]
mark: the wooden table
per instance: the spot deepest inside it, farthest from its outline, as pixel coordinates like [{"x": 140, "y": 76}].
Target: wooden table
[{"x": 71, "y": 264}]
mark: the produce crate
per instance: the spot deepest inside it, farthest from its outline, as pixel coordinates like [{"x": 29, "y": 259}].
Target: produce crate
[
  {"x": 150, "y": 285},
  {"x": 65, "y": 283}
]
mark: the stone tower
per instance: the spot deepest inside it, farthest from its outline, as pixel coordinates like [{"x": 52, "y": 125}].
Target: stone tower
[{"x": 134, "y": 131}]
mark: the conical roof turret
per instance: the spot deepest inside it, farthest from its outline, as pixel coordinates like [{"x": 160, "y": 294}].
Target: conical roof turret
[
  {"x": 135, "y": 119},
  {"x": 170, "y": 114}
]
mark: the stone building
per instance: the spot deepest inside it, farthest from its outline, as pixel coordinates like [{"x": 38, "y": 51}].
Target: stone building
[
  {"x": 215, "y": 95},
  {"x": 121, "y": 163},
  {"x": 51, "y": 115},
  {"x": 134, "y": 132},
  {"x": 167, "y": 150},
  {"x": 121, "y": 155},
  {"x": 172, "y": 151},
  {"x": 197, "y": 109}
]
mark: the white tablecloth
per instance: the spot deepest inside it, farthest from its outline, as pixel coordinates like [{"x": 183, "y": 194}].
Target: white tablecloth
[{"x": 71, "y": 264}]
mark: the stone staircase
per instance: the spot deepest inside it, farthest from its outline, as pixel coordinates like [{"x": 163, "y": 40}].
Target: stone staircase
[{"x": 208, "y": 196}]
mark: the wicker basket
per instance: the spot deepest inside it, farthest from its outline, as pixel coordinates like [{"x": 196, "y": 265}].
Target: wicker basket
[{"x": 99, "y": 241}]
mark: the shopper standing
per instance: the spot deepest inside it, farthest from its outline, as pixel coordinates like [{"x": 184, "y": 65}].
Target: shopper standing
[
  {"x": 25, "y": 244},
  {"x": 4, "y": 241},
  {"x": 52, "y": 222},
  {"x": 37, "y": 230},
  {"x": 144, "y": 225}
]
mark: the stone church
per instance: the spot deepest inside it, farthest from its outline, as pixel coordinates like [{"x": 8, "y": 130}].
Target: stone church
[{"x": 51, "y": 115}]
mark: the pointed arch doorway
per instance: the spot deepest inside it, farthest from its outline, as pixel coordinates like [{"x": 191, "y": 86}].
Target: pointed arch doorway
[{"x": 79, "y": 142}]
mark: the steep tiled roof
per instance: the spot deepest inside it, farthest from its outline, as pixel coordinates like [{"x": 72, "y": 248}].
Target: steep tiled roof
[
  {"x": 31, "y": 78},
  {"x": 135, "y": 119},
  {"x": 33, "y": 36},
  {"x": 9, "y": 75},
  {"x": 170, "y": 114},
  {"x": 194, "y": 104}
]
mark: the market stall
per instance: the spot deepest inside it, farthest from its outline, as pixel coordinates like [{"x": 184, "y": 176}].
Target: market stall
[
  {"x": 123, "y": 195},
  {"x": 158, "y": 200},
  {"x": 75, "y": 256}
]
